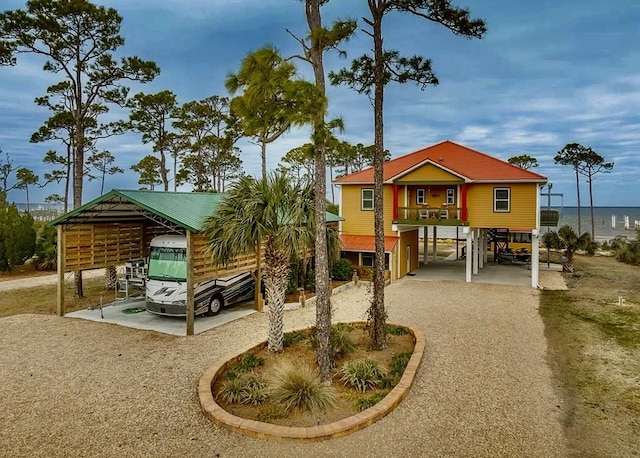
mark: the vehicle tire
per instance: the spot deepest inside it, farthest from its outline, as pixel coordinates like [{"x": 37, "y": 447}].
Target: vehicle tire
[{"x": 215, "y": 305}]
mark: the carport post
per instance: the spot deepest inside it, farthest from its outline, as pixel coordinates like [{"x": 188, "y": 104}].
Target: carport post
[
  {"x": 435, "y": 243},
  {"x": 190, "y": 298},
  {"x": 60, "y": 291},
  {"x": 468, "y": 252},
  {"x": 535, "y": 258}
]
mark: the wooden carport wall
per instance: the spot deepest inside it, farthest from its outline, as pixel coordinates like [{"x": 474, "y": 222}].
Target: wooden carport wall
[{"x": 84, "y": 246}]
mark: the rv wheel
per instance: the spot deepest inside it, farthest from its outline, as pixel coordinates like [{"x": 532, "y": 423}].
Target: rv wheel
[{"x": 215, "y": 306}]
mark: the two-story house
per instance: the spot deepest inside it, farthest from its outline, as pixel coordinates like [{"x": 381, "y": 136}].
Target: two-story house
[{"x": 446, "y": 184}]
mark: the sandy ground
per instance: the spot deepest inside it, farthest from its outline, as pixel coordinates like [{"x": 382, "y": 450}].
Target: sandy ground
[
  {"x": 78, "y": 388},
  {"x": 43, "y": 280}
]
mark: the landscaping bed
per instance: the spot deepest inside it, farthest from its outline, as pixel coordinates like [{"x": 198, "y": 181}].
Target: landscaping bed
[{"x": 299, "y": 352}]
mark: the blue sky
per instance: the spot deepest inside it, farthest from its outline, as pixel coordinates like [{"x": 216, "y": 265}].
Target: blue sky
[{"x": 547, "y": 73}]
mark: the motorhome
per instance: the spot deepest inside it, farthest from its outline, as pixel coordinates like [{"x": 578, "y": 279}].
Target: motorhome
[{"x": 166, "y": 285}]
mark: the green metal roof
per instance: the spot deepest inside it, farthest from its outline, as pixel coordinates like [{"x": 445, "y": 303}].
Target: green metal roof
[{"x": 187, "y": 210}]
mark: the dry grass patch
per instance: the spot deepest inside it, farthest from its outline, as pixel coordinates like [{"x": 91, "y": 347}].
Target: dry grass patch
[
  {"x": 42, "y": 299},
  {"x": 594, "y": 347}
]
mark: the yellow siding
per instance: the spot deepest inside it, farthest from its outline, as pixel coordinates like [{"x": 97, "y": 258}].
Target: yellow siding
[
  {"x": 429, "y": 172},
  {"x": 407, "y": 239},
  {"x": 523, "y": 206},
  {"x": 360, "y": 222}
]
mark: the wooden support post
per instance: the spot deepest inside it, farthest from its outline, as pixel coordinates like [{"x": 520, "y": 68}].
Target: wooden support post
[
  {"x": 61, "y": 257},
  {"x": 469, "y": 254},
  {"x": 535, "y": 258},
  {"x": 190, "y": 285},
  {"x": 258, "y": 280},
  {"x": 482, "y": 246},
  {"x": 435, "y": 243},
  {"x": 476, "y": 250}
]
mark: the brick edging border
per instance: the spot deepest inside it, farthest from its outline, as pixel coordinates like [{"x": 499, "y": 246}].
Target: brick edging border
[{"x": 268, "y": 431}]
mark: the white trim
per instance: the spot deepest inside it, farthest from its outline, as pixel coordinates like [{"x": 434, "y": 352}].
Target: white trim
[
  {"x": 468, "y": 256},
  {"x": 508, "y": 200},
  {"x": 362, "y": 190},
  {"x": 535, "y": 259}
]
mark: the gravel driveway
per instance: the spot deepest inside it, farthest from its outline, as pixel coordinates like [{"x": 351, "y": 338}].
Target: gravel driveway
[{"x": 78, "y": 388}]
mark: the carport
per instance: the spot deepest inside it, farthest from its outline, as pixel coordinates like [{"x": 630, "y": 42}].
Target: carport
[{"x": 119, "y": 226}]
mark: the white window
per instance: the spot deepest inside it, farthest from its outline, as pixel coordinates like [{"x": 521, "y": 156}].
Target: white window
[
  {"x": 367, "y": 199},
  {"x": 368, "y": 260},
  {"x": 451, "y": 196},
  {"x": 420, "y": 200},
  {"x": 501, "y": 200}
]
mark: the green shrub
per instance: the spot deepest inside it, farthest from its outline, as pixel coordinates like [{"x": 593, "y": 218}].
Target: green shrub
[
  {"x": 591, "y": 248},
  {"x": 254, "y": 390},
  {"x": 247, "y": 363},
  {"x": 231, "y": 390},
  {"x": 389, "y": 382},
  {"x": 362, "y": 374},
  {"x": 397, "y": 330},
  {"x": 399, "y": 363},
  {"x": 342, "y": 270},
  {"x": 294, "y": 278},
  {"x": 364, "y": 403},
  {"x": 311, "y": 280},
  {"x": 340, "y": 339},
  {"x": 247, "y": 388},
  {"x": 291, "y": 338},
  {"x": 46, "y": 249},
  {"x": 299, "y": 388},
  {"x": 341, "y": 342}
]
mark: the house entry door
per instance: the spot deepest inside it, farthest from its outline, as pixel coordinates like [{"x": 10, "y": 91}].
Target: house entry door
[{"x": 408, "y": 258}]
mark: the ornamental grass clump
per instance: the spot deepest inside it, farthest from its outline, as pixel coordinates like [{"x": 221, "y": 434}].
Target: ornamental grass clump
[
  {"x": 299, "y": 388},
  {"x": 248, "y": 363},
  {"x": 246, "y": 388},
  {"x": 362, "y": 374}
]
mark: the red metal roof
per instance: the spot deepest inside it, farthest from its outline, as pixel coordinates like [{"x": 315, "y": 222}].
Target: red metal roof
[
  {"x": 469, "y": 164},
  {"x": 366, "y": 243}
]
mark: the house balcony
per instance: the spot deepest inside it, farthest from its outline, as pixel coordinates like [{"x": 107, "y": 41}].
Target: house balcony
[{"x": 430, "y": 216}]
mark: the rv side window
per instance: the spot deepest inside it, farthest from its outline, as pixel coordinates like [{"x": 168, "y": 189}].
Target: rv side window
[{"x": 167, "y": 263}]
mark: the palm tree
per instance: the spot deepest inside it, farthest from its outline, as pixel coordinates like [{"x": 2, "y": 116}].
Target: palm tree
[
  {"x": 274, "y": 213},
  {"x": 567, "y": 239}
]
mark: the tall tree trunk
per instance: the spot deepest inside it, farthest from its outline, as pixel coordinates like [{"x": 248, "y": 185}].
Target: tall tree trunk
[
  {"x": 593, "y": 225},
  {"x": 377, "y": 313},
  {"x": 78, "y": 160},
  {"x": 263, "y": 153},
  {"x": 333, "y": 196},
  {"x": 276, "y": 279},
  {"x": 164, "y": 173},
  {"x": 67, "y": 180},
  {"x": 578, "y": 195},
  {"x": 323, "y": 302},
  {"x": 26, "y": 188}
]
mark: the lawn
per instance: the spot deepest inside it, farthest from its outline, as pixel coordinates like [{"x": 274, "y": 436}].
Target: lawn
[
  {"x": 42, "y": 299},
  {"x": 594, "y": 350}
]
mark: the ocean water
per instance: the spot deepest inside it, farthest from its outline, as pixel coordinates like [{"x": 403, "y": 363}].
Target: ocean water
[
  {"x": 569, "y": 215},
  {"x": 605, "y": 228}
]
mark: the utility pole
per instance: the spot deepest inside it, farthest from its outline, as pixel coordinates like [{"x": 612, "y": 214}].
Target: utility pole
[{"x": 549, "y": 194}]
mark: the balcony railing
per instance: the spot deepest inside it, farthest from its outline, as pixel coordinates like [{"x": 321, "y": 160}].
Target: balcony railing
[{"x": 448, "y": 215}]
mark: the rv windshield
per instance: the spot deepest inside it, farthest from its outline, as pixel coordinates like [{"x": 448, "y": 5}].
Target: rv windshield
[{"x": 167, "y": 263}]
